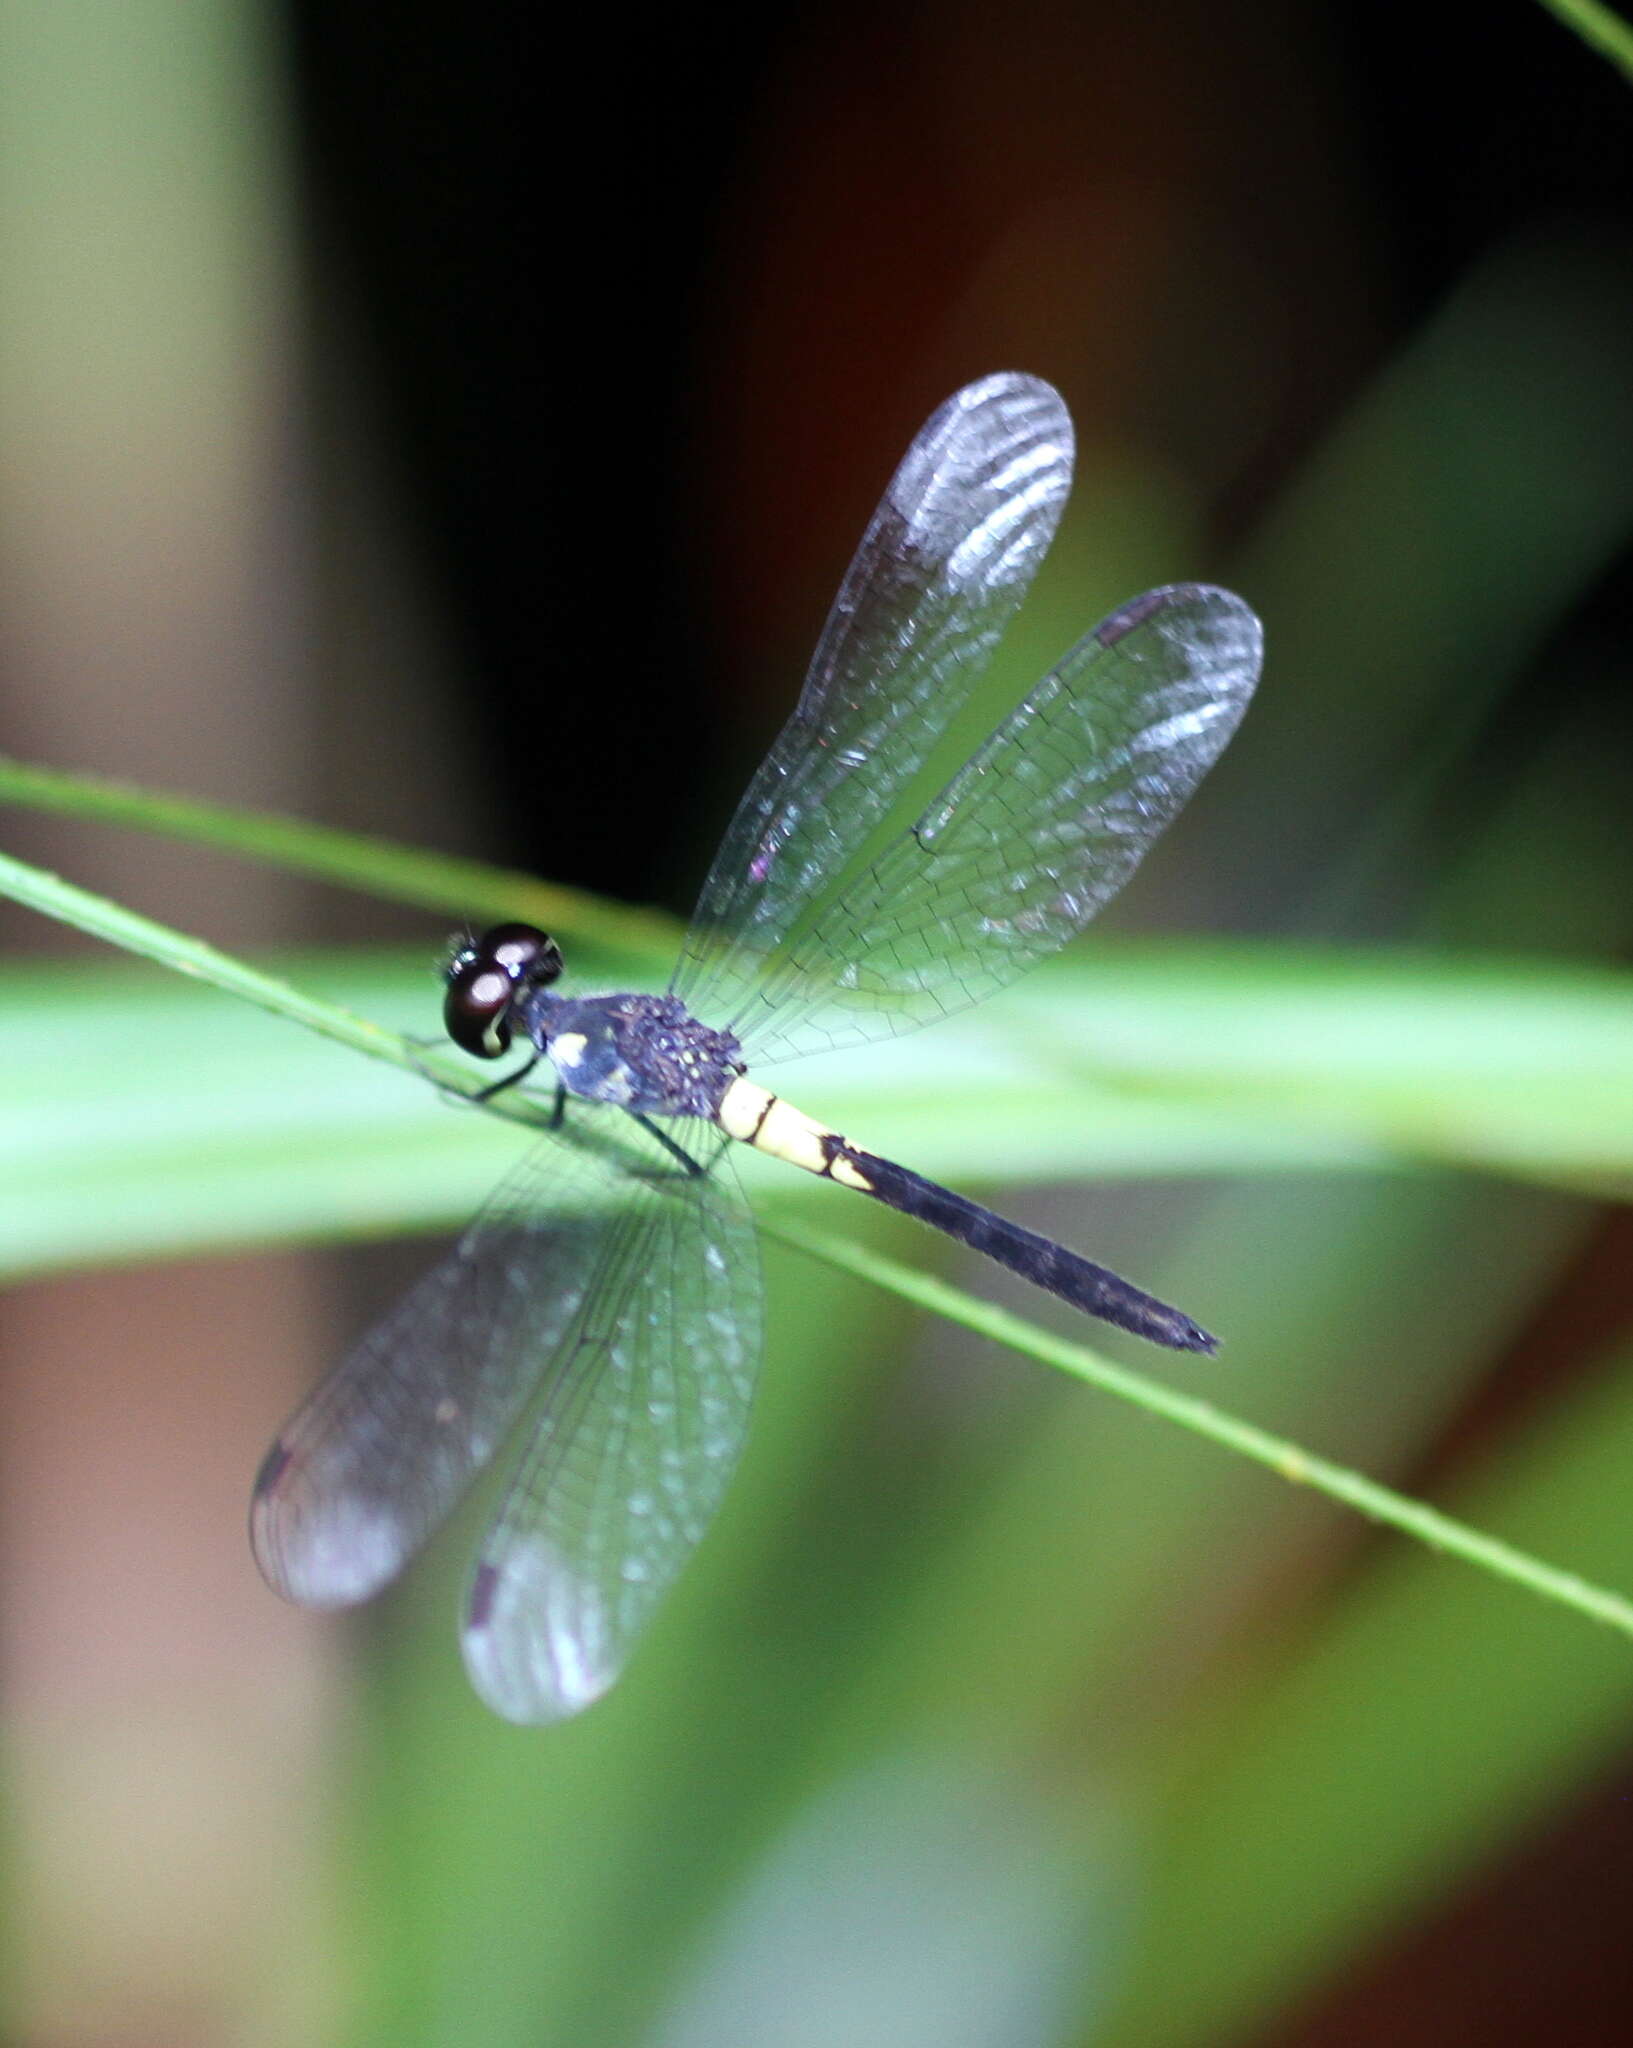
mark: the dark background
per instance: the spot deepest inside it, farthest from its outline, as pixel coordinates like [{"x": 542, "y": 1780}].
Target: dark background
[{"x": 626, "y": 292}]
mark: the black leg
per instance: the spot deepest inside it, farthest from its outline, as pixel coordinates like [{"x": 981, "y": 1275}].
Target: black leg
[
  {"x": 551, "y": 1120},
  {"x": 498, "y": 1087},
  {"x": 675, "y": 1151},
  {"x": 459, "y": 1094}
]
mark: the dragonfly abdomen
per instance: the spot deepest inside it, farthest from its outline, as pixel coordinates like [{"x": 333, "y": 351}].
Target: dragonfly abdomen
[
  {"x": 756, "y": 1117},
  {"x": 1094, "y": 1289}
]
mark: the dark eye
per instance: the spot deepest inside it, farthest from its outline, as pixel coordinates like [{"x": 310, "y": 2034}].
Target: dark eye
[
  {"x": 522, "y": 951},
  {"x": 486, "y": 976},
  {"x": 476, "y": 1009}
]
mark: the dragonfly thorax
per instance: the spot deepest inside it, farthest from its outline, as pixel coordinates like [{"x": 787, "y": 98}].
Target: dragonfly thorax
[{"x": 644, "y": 1053}]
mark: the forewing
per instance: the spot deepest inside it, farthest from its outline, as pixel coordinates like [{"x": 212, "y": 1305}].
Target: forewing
[
  {"x": 947, "y": 557},
  {"x": 1032, "y": 836},
  {"x": 388, "y": 1444},
  {"x": 639, "y": 1428}
]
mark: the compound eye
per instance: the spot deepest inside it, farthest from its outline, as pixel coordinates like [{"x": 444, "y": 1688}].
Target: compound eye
[
  {"x": 476, "y": 1009},
  {"x": 522, "y": 951}
]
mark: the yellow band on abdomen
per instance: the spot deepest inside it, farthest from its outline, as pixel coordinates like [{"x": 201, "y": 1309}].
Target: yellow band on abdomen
[{"x": 754, "y": 1116}]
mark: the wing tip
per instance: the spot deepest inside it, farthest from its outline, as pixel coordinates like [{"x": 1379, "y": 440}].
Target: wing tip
[
  {"x": 316, "y": 1554},
  {"x": 528, "y": 1674},
  {"x": 1211, "y": 597},
  {"x": 1031, "y": 409}
]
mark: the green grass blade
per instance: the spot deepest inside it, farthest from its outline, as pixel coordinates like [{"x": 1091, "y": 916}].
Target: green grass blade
[
  {"x": 189, "y": 956},
  {"x": 1601, "y": 28},
  {"x": 352, "y": 860},
  {"x": 1202, "y": 1418}
]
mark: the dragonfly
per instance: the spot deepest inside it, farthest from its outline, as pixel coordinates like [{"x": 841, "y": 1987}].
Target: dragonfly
[{"x": 606, "y": 1303}]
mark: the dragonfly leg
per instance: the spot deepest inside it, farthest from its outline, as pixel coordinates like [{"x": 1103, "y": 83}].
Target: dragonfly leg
[
  {"x": 551, "y": 1121},
  {"x": 509, "y": 1081},
  {"x": 676, "y": 1151},
  {"x": 460, "y": 1095}
]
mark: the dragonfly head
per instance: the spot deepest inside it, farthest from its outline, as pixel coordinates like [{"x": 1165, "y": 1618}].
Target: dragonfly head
[{"x": 487, "y": 977}]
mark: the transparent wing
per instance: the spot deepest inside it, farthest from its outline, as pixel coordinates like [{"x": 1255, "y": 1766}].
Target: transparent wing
[
  {"x": 638, "y": 1431},
  {"x": 947, "y": 558},
  {"x": 388, "y": 1444},
  {"x": 1033, "y": 835}
]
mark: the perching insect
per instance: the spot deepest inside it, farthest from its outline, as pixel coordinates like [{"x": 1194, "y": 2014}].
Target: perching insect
[{"x": 612, "y": 1284}]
